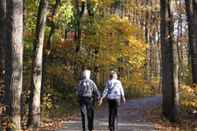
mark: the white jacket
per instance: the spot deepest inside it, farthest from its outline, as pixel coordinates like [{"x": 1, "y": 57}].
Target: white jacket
[{"x": 113, "y": 89}]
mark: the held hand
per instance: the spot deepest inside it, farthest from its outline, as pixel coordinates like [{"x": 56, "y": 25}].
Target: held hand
[{"x": 100, "y": 102}]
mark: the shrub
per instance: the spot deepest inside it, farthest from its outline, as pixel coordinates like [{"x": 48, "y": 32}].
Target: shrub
[
  {"x": 136, "y": 86},
  {"x": 188, "y": 97}
]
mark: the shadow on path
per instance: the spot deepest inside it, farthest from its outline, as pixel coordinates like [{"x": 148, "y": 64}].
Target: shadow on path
[{"x": 131, "y": 116}]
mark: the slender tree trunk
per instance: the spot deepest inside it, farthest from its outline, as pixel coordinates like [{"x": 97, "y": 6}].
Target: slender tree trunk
[
  {"x": 2, "y": 42},
  {"x": 175, "y": 54},
  {"x": 158, "y": 53},
  {"x": 52, "y": 26},
  {"x": 146, "y": 29},
  {"x": 2, "y": 33},
  {"x": 48, "y": 49},
  {"x": 151, "y": 53},
  {"x": 34, "y": 111},
  {"x": 179, "y": 47},
  {"x": 191, "y": 10},
  {"x": 168, "y": 87},
  {"x": 50, "y": 38},
  {"x": 77, "y": 26},
  {"x": 15, "y": 46},
  {"x": 194, "y": 45},
  {"x": 176, "y": 71}
]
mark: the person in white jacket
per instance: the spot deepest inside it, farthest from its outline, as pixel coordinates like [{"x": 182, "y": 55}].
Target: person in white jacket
[{"x": 114, "y": 93}]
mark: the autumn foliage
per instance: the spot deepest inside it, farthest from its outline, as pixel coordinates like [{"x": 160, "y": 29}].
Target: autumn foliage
[{"x": 189, "y": 97}]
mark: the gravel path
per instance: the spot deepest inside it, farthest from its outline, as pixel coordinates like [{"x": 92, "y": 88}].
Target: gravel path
[{"x": 131, "y": 116}]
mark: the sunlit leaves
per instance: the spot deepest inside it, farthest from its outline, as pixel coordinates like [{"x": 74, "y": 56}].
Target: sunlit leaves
[
  {"x": 31, "y": 15},
  {"x": 64, "y": 14},
  {"x": 116, "y": 39},
  {"x": 188, "y": 97}
]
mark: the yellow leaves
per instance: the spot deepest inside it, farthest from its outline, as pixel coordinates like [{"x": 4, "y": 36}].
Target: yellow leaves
[
  {"x": 119, "y": 43},
  {"x": 47, "y": 102},
  {"x": 95, "y": 1},
  {"x": 189, "y": 96},
  {"x": 135, "y": 84},
  {"x": 64, "y": 14},
  {"x": 113, "y": 59},
  {"x": 131, "y": 40},
  {"x": 189, "y": 89},
  {"x": 104, "y": 3},
  {"x": 126, "y": 52}
]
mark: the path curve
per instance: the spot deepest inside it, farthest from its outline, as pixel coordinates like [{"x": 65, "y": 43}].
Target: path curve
[{"x": 131, "y": 116}]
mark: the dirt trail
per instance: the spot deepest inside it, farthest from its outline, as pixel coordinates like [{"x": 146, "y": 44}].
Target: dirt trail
[{"x": 131, "y": 116}]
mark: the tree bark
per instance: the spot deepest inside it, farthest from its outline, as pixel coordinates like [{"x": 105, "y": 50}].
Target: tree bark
[
  {"x": 176, "y": 71},
  {"x": 78, "y": 27},
  {"x": 2, "y": 42},
  {"x": 52, "y": 26},
  {"x": 191, "y": 10},
  {"x": 34, "y": 111},
  {"x": 194, "y": 45},
  {"x": 147, "y": 37},
  {"x": 14, "y": 51},
  {"x": 169, "y": 108}
]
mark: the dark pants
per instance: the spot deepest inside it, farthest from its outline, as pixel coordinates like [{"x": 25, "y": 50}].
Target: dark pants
[
  {"x": 87, "y": 110},
  {"x": 113, "y": 114}
]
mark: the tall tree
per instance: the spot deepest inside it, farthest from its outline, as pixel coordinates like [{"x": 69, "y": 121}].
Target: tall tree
[
  {"x": 191, "y": 9},
  {"x": 2, "y": 32},
  {"x": 77, "y": 24},
  {"x": 146, "y": 34},
  {"x": 2, "y": 39},
  {"x": 168, "y": 87},
  {"x": 14, "y": 51},
  {"x": 52, "y": 25},
  {"x": 34, "y": 109}
]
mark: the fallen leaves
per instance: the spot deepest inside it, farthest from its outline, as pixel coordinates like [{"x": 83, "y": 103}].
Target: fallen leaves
[{"x": 185, "y": 122}]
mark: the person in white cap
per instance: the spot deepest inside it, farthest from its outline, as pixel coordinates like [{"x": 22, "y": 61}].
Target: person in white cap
[
  {"x": 87, "y": 92},
  {"x": 114, "y": 93}
]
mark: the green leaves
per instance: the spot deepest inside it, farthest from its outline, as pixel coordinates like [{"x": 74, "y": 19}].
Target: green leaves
[
  {"x": 64, "y": 14},
  {"x": 31, "y": 15}
]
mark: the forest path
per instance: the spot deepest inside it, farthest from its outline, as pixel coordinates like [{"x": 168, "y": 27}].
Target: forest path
[{"x": 131, "y": 116}]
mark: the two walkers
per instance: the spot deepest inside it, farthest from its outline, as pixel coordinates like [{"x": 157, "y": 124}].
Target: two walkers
[{"x": 88, "y": 93}]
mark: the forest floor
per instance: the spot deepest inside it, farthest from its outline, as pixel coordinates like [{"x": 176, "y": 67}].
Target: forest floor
[
  {"x": 143, "y": 114},
  {"x": 131, "y": 116}
]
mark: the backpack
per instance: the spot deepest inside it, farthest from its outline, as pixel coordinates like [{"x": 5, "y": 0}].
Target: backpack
[
  {"x": 85, "y": 89},
  {"x": 111, "y": 88}
]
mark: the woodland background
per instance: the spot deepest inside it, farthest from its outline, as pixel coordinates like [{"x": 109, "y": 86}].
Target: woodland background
[{"x": 46, "y": 44}]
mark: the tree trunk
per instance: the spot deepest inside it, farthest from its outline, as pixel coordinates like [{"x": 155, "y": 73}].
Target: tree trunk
[
  {"x": 2, "y": 41},
  {"x": 191, "y": 9},
  {"x": 158, "y": 53},
  {"x": 2, "y": 33},
  {"x": 194, "y": 45},
  {"x": 52, "y": 26},
  {"x": 147, "y": 37},
  {"x": 168, "y": 87},
  {"x": 176, "y": 71},
  {"x": 34, "y": 111},
  {"x": 78, "y": 27},
  {"x": 15, "y": 55}
]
